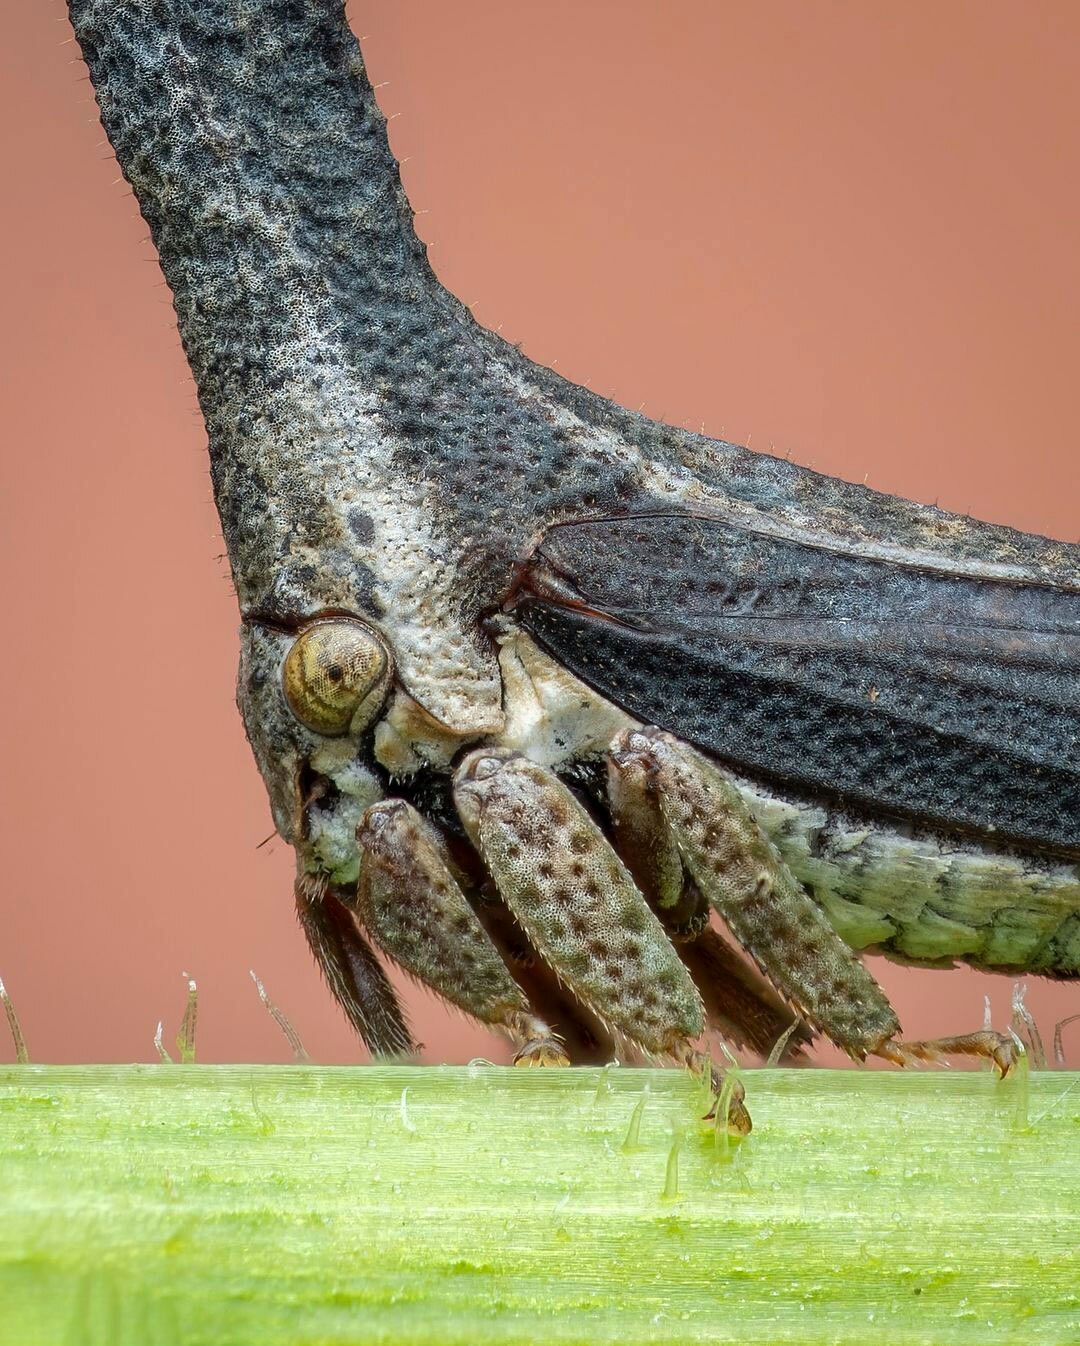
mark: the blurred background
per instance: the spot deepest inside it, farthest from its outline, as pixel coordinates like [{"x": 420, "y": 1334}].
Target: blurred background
[{"x": 837, "y": 231}]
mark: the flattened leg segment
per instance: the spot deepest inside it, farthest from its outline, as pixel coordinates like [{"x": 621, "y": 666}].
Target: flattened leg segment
[
  {"x": 738, "y": 1001},
  {"x": 576, "y": 901},
  {"x": 411, "y": 905},
  {"x": 647, "y": 846},
  {"x": 582, "y": 1036},
  {"x": 767, "y": 909}
]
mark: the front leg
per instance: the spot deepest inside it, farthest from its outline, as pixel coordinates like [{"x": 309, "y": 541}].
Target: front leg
[
  {"x": 411, "y": 905},
  {"x": 351, "y": 969}
]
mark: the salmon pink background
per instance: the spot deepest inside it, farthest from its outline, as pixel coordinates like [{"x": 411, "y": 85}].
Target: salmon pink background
[{"x": 843, "y": 231}]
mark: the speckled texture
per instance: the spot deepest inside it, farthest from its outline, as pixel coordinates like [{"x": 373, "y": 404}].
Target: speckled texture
[
  {"x": 360, "y": 422},
  {"x": 948, "y": 697},
  {"x": 576, "y": 900},
  {"x": 412, "y": 906},
  {"x": 743, "y": 876},
  {"x": 377, "y": 455}
]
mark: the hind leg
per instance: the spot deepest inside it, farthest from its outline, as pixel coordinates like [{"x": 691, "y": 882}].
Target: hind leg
[
  {"x": 987, "y": 1044},
  {"x": 739, "y": 1002},
  {"x": 745, "y": 879}
]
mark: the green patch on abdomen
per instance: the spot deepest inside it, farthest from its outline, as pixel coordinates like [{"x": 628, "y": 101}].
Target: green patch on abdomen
[{"x": 925, "y": 898}]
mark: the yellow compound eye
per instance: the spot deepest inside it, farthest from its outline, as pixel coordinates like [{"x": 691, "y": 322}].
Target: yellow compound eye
[{"x": 335, "y": 677}]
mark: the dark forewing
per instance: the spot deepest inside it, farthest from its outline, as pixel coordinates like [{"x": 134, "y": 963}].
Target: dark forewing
[{"x": 946, "y": 697}]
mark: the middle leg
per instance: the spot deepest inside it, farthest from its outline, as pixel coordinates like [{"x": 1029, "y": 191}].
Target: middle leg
[{"x": 579, "y": 906}]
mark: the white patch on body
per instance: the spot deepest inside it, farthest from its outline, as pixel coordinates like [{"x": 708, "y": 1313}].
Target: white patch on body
[
  {"x": 333, "y": 443},
  {"x": 926, "y": 897},
  {"x": 332, "y": 831},
  {"x": 681, "y": 485},
  {"x": 551, "y": 716}
]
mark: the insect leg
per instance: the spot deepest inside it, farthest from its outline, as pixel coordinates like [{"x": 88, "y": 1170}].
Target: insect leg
[
  {"x": 579, "y": 906},
  {"x": 351, "y": 970},
  {"x": 585, "y": 1038},
  {"x": 575, "y": 899},
  {"x": 766, "y": 908},
  {"x": 412, "y": 907},
  {"x": 647, "y": 847},
  {"x": 773, "y": 916},
  {"x": 986, "y": 1043},
  {"x": 739, "y": 1003}
]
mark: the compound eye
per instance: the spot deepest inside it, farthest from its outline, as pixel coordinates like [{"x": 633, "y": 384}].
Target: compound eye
[{"x": 335, "y": 677}]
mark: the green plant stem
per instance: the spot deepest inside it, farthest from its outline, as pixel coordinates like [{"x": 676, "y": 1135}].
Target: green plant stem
[{"x": 297, "y": 1205}]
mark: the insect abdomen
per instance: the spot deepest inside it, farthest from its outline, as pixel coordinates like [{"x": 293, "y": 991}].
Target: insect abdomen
[{"x": 925, "y": 898}]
